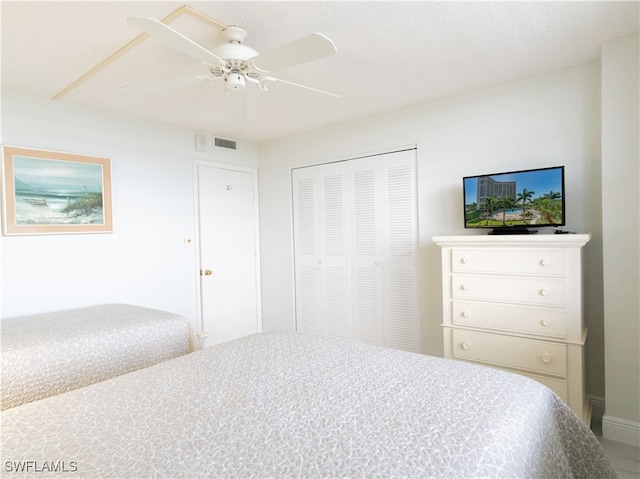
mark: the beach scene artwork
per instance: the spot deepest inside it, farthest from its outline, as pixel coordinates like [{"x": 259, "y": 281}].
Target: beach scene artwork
[{"x": 57, "y": 193}]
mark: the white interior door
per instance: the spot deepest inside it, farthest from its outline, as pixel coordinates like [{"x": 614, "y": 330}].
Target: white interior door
[{"x": 228, "y": 252}]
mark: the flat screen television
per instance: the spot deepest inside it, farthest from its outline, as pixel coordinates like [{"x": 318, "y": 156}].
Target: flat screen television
[{"x": 515, "y": 202}]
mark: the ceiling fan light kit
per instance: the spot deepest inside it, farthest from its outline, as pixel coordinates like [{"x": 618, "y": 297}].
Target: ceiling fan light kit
[
  {"x": 237, "y": 63},
  {"x": 234, "y": 82}
]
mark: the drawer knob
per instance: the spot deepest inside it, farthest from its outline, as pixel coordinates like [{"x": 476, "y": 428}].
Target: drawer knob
[
  {"x": 466, "y": 345},
  {"x": 466, "y": 314},
  {"x": 464, "y": 287},
  {"x": 464, "y": 260},
  {"x": 546, "y": 358},
  {"x": 545, "y": 322},
  {"x": 545, "y": 262},
  {"x": 545, "y": 292}
]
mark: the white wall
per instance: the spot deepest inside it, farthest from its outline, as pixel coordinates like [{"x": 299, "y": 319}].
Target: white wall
[
  {"x": 144, "y": 261},
  {"x": 621, "y": 231},
  {"x": 547, "y": 120}
]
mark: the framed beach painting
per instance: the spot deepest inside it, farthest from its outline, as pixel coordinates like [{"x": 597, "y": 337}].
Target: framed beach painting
[{"x": 48, "y": 192}]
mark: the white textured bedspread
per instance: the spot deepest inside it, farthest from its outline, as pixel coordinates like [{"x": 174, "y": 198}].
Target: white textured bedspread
[
  {"x": 51, "y": 353},
  {"x": 292, "y": 405}
]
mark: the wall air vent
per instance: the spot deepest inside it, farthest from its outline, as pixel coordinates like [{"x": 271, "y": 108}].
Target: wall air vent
[{"x": 222, "y": 143}]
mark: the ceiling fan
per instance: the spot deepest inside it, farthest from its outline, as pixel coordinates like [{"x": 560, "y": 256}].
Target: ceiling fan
[{"x": 238, "y": 64}]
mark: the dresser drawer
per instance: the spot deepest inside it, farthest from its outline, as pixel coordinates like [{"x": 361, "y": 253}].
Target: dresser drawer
[
  {"x": 544, "y": 291},
  {"x": 509, "y": 260},
  {"x": 504, "y": 351},
  {"x": 503, "y": 317}
]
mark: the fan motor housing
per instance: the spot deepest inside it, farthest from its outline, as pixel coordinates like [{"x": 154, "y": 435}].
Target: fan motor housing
[{"x": 234, "y": 51}]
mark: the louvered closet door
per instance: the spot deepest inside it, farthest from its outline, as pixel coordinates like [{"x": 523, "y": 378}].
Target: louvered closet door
[
  {"x": 321, "y": 251},
  {"x": 400, "y": 251},
  {"x": 355, "y": 235},
  {"x": 384, "y": 250},
  {"x": 365, "y": 223},
  {"x": 307, "y": 250},
  {"x": 334, "y": 251}
]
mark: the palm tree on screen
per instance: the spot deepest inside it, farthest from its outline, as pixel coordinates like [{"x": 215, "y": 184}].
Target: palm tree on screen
[
  {"x": 490, "y": 205},
  {"x": 550, "y": 207},
  {"x": 524, "y": 198},
  {"x": 506, "y": 203}
]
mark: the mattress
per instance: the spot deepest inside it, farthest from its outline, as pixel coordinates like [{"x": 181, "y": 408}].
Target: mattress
[
  {"x": 293, "y": 405},
  {"x": 51, "y": 353}
]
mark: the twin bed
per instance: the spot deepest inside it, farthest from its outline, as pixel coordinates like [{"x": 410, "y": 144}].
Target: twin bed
[{"x": 282, "y": 404}]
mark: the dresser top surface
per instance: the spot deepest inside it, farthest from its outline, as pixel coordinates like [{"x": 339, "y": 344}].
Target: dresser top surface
[{"x": 557, "y": 240}]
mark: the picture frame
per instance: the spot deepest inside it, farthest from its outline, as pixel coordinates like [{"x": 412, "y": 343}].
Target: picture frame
[{"x": 53, "y": 192}]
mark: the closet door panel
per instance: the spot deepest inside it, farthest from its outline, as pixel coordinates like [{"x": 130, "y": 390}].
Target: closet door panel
[
  {"x": 334, "y": 251},
  {"x": 307, "y": 252},
  {"x": 365, "y": 249},
  {"x": 399, "y": 251}
]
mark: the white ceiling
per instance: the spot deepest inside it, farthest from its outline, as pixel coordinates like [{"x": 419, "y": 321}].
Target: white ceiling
[{"x": 390, "y": 54}]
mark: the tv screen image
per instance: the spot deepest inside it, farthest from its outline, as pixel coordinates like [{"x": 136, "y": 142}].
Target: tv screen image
[{"x": 516, "y": 201}]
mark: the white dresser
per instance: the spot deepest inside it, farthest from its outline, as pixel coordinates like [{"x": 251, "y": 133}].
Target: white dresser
[{"x": 515, "y": 303}]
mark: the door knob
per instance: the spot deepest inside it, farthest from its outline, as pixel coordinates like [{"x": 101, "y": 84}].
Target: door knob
[{"x": 207, "y": 272}]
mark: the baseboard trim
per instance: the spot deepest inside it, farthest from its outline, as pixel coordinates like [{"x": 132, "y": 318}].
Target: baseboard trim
[{"x": 621, "y": 430}]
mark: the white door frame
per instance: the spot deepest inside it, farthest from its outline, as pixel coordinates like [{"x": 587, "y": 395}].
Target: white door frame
[{"x": 196, "y": 204}]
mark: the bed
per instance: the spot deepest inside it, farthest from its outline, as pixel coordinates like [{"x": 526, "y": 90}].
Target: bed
[
  {"x": 50, "y": 353},
  {"x": 282, "y": 404}
]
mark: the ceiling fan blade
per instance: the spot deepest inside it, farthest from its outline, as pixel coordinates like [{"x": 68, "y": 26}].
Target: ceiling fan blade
[
  {"x": 305, "y": 49},
  {"x": 295, "y": 90},
  {"x": 235, "y": 105},
  {"x": 163, "y": 85},
  {"x": 159, "y": 30}
]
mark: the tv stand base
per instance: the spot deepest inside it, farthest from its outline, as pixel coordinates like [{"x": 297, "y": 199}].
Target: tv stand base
[{"x": 512, "y": 231}]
